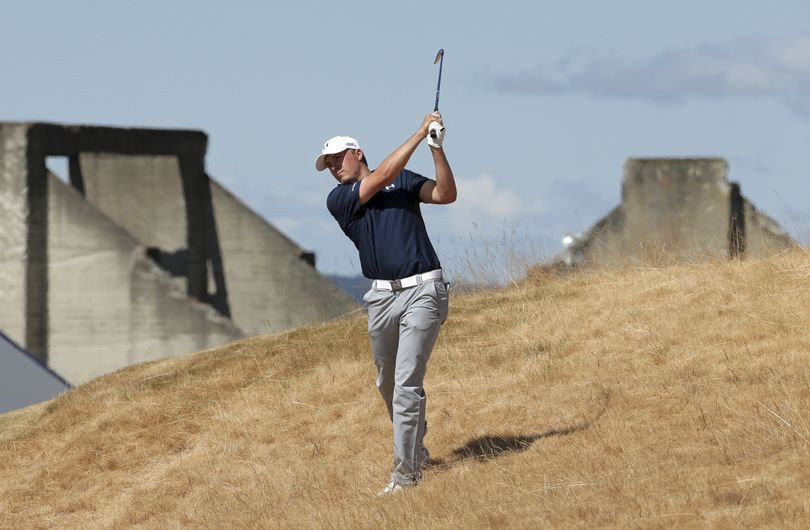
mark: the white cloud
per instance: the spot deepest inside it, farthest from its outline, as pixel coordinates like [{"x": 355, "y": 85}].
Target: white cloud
[
  {"x": 777, "y": 68},
  {"x": 481, "y": 200},
  {"x": 484, "y": 195}
]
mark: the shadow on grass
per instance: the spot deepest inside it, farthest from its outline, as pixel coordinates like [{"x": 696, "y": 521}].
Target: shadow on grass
[{"x": 488, "y": 447}]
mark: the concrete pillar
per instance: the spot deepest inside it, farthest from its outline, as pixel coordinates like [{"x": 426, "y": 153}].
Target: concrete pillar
[
  {"x": 677, "y": 207},
  {"x": 14, "y": 233},
  {"x": 75, "y": 173},
  {"x": 36, "y": 277},
  {"x": 198, "y": 220},
  {"x": 736, "y": 223}
]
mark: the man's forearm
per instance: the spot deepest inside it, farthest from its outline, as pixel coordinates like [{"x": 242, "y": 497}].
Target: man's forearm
[
  {"x": 389, "y": 168},
  {"x": 445, "y": 190}
]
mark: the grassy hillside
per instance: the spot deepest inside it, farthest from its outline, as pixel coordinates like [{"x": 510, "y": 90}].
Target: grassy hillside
[{"x": 645, "y": 398}]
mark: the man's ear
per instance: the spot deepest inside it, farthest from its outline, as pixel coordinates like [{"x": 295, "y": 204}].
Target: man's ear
[{"x": 359, "y": 153}]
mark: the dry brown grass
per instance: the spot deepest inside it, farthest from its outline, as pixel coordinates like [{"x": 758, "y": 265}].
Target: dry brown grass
[{"x": 643, "y": 398}]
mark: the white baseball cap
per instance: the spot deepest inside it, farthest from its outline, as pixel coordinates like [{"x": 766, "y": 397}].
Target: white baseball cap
[{"x": 335, "y": 145}]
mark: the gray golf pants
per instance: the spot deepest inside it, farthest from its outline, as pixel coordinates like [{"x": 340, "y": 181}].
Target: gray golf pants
[{"x": 403, "y": 327}]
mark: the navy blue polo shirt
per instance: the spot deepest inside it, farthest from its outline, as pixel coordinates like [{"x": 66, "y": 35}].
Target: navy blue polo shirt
[{"x": 388, "y": 230}]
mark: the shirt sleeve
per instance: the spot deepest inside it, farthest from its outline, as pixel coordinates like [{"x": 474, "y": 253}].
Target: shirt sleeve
[
  {"x": 413, "y": 182},
  {"x": 344, "y": 203}
]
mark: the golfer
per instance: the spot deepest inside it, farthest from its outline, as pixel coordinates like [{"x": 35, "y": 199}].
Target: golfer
[{"x": 408, "y": 300}]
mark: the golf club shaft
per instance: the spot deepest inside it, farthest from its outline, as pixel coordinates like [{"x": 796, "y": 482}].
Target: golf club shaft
[{"x": 439, "y": 84}]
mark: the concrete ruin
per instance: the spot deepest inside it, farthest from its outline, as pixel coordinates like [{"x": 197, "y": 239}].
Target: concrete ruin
[
  {"x": 140, "y": 255},
  {"x": 675, "y": 210}
]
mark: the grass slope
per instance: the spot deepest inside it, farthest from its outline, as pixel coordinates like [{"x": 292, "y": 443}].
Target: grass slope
[{"x": 645, "y": 398}]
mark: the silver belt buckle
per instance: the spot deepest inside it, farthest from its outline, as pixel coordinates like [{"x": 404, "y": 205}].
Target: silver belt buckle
[{"x": 396, "y": 285}]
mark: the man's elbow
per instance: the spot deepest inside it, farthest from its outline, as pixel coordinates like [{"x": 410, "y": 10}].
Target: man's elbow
[{"x": 446, "y": 198}]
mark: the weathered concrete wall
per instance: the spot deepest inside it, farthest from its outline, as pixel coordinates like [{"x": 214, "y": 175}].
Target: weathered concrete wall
[
  {"x": 678, "y": 207},
  {"x": 764, "y": 236},
  {"x": 164, "y": 322},
  {"x": 676, "y": 210},
  {"x": 603, "y": 244},
  {"x": 126, "y": 263},
  {"x": 255, "y": 272},
  {"x": 270, "y": 286},
  {"x": 144, "y": 194},
  {"x": 14, "y": 230},
  {"x": 109, "y": 305}
]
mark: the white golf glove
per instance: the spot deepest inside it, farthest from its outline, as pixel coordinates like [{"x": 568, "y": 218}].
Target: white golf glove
[{"x": 435, "y": 135}]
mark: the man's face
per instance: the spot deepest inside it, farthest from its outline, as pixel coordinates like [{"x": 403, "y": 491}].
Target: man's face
[{"x": 344, "y": 166}]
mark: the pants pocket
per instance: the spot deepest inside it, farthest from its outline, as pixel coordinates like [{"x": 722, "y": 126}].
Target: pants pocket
[{"x": 442, "y": 299}]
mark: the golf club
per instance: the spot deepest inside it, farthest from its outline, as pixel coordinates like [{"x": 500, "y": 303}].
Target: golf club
[{"x": 439, "y": 59}]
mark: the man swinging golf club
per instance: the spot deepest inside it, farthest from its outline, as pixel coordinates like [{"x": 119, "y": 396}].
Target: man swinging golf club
[{"x": 408, "y": 301}]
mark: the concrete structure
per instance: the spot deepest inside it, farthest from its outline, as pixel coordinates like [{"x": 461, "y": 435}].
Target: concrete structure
[
  {"x": 677, "y": 210},
  {"x": 24, "y": 380},
  {"x": 141, "y": 255}
]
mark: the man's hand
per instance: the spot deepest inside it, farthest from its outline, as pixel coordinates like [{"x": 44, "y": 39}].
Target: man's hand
[
  {"x": 424, "y": 129},
  {"x": 443, "y": 189},
  {"x": 435, "y": 135}
]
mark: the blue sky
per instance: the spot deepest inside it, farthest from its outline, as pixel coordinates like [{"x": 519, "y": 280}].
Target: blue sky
[{"x": 543, "y": 101}]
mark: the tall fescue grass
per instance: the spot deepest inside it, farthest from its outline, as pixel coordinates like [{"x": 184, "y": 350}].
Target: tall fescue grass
[
  {"x": 487, "y": 258},
  {"x": 638, "y": 397}
]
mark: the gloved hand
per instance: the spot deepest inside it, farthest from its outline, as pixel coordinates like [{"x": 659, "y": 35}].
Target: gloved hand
[{"x": 435, "y": 135}]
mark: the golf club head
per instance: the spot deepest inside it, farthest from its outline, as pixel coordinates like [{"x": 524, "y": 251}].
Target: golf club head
[{"x": 439, "y": 56}]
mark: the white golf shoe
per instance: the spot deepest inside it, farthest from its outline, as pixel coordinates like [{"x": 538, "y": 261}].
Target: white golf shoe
[
  {"x": 397, "y": 486},
  {"x": 390, "y": 489}
]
